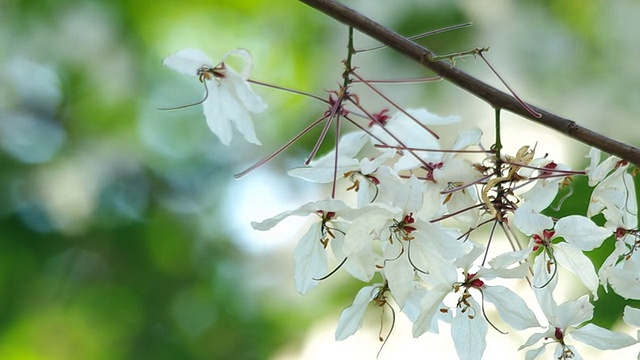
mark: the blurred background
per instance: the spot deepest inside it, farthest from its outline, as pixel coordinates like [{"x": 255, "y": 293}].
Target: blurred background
[{"x": 123, "y": 234}]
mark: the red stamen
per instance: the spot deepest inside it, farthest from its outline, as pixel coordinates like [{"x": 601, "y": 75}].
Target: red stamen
[
  {"x": 381, "y": 118},
  {"x": 558, "y": 334},
  {"x": 476, "y": 283}
]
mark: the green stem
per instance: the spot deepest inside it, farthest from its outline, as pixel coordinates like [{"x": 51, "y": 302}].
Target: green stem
[{"x": 497, "y": 147}]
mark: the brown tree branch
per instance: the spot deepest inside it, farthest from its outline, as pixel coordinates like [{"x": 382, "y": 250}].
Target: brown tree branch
[{"x": 491, "y": 95}]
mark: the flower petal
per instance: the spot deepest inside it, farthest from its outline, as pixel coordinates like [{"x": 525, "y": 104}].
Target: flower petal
[
  {"x": 581, "y": 232},
  {"x": 351, "y": 318},
  {"x": 215, "y": 112},
  {"x": 601, "y": 338},
  {"x": 326, "y": 205},
  {"x": 187, "y": 61},
  {"x": 572, "y": 259},
  {"x": 631, "y": 316},
  {"x": 511, "y": 308},
  {"x": 573, "y": 312},
  {"x": 310, "y": 260},
  {"x": 625, "y": 280},
  {"x": 469, "y": 332},
  {"x": 429, "y": 304},
  {"x": 530, "y": 222},
  {"x": 240, "y": 88}
]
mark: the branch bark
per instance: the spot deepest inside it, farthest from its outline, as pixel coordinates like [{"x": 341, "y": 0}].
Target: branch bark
[{"x": 491, "y": 95}]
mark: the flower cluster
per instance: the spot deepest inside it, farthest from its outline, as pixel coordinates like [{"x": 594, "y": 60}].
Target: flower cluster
[{"x": 406, "y": 208}]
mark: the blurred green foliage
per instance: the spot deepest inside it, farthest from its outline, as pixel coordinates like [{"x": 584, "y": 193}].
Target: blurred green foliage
[{"x": 112, "y": 243}]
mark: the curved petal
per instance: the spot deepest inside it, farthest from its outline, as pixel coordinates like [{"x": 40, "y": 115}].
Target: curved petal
[
  {"x": 428, "y": 306},
  {"x": 581, "y": 232},
  {"x": 511, "y": 308},
  {"x": 351, "y": 318},
  {"x": 248, "y": 61},
  {"x": 215, "y": 112},
  {"x": 572, "y": 259},
  {"x": 601, "y": 338},
  {"x": 310, "y": 260},
  {"x": 631, "y": 316},
  {"x": 469, "y": 332},
  {"x": 399, "y": 273},
  {"x": 326, "y": 205},
  {"x": 243, "y": 93},
  {"x": 530, "y": 221},
  {"x": 187, "y": 61},
  {"x": 574, "y": 312},
  {"x": 625, "y": 280}
]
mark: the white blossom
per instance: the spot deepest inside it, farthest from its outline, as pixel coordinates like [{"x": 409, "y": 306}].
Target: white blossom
[
  {"x": 310, "y": 254},
  {"x": 566, "y": 320},
  {"x": 228, "y": 97},
  {"x": 351, "y": 317},
  {"x": 579, "y": 234}
]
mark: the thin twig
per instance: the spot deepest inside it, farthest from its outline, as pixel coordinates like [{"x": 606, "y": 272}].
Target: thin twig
[{"x": 491, "y": 95}]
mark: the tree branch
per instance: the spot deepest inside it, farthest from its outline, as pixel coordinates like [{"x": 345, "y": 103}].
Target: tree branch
[{"x": 491, "y": 95}]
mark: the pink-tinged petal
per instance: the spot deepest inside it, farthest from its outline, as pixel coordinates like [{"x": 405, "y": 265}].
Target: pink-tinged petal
[
  {"x": 581, "y": 232},
  {"x": 187, "y": 61},
  {"x": 310, "y": 260},
  {"x": 468, "y": 331},
  {"x": 574, "y": 260},
  {"x": 601, "y": 338},
  {"x": 511, "y": 308},
  {"x": 351, "y": 318}
]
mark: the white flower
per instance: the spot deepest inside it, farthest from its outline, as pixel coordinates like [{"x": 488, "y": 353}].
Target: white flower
[
  {"x": 364, "y": 174},
  {"x": 632, "y": 317},
  {"x": 621, "y": 268},
  {"x": 402, "y": 130},
  {"x": 580, "y": 234},
  {"x": 549, "y": 176},
  {"x": 351, "y": 317},
  {"x": 228, "y": 97},
  {"x": 310, "y": 253},
  {"x": 450, "y": 173},
  {"x": 411, "y": 246},
  {"x": 565, "y": 320},
  {"x": 469, "y": 327}
]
